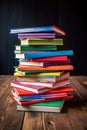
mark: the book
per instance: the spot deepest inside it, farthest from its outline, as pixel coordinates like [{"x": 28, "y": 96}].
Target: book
[
  {"x": 37, "y": 88},
  {"x": 36, "y": 35},
  {"x": 45, "y": 84},
  {"x": 34, "y": 72},
  {"x": 34, "y": 47},
  {"x": 53, "y": 106},
  {"x": 39, "y": 97},
  {"x": 47, "y": 29},
  {"x": 58, "y": 67},
  {"x": 21, "y": 92},
  {"x": 41, "y": 41},
  {"x": 51, "y": 77},
  {"x": 43, "y": 64},
  {"x": 49, "y": 59},
  {"x": 37, "y": 75},
  {"x": 33, "y": 55},
  {"x": 24, "y": 103}
]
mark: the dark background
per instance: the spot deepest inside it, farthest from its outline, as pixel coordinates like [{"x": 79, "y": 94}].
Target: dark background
[{"x": 69, "y": 15}]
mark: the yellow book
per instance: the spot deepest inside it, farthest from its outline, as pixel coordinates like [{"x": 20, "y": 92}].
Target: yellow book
[
  {"x": 41, "y": 41},
  {"x": 21, "y": 73}
]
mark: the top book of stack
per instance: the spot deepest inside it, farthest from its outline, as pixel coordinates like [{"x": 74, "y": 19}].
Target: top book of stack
[{"x": 44, "y": 29}]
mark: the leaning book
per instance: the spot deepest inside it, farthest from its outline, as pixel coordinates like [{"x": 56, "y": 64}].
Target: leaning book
[{"x": 53, "y": 106}]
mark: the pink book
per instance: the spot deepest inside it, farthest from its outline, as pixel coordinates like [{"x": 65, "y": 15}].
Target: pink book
[{"x": 36, "y": 35}]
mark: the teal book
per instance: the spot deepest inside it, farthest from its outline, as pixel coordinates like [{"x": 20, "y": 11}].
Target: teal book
[
  {"x": 33, "y": 55},
  {"x": 53, "y": 106},
  {"x": 34, "y": 47}
]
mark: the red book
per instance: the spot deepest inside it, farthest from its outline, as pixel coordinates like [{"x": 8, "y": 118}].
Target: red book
[
  {"x": 53, "y": 58},
  {"x": 66, "y": 97},
  {"x": 21, "y": 92}
]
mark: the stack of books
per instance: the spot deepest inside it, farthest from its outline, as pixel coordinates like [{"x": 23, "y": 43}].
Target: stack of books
[{"x": 42, "y": 76}]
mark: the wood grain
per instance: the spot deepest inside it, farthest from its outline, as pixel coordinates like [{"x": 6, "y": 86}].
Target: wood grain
[
  {"x": 72, "y": 117},
  {"x": 10, "y": 119}
]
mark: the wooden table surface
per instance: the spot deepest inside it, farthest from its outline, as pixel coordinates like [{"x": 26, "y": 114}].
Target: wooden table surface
[{"x": 72, "y": 117}]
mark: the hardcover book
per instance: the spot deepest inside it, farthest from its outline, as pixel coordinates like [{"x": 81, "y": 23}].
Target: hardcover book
[
  {"x": 54, "y": 106},
  {"x": 34, "y": 47},
  {"x": 37, "y": 75},
  {"x": 45, "y": 84},
  {"x": 43, "y": 64},
  {"x": 41, "y": 41},
  {"x": 47, "y": 29},
  {"x": 38, "y": 88},
  {"x": 24, "y": 103},
  {"x": 50, "y": 59},
  {"x": 65, "y": 89},
  {"x": 39, "y": 97},
  {"x": 58, "y": 68},
  {"x": 33, "y": 55},
  {"x": 35, "y": 71},
  {"x": 50, "y": 77},
  {"x": 36, "y": 35}
]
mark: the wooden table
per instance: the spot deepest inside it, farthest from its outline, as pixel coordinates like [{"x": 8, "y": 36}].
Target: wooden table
[{"x": 72, "y": 117}]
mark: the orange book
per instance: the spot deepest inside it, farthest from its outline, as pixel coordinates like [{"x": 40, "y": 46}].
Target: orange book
[{"x": 59, "y": 67}]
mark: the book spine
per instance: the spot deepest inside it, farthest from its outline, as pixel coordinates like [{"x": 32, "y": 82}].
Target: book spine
[
  {"x": 40, "y": 41},
  {"x": 32, "y": 55},
  {"x": 59, "y": 67},
  {"x": 29, "y": 47},
  {"x": 36, "y": 35},
  {"x": 32, "y": 29},
  {"x": 53, "y": 58}
]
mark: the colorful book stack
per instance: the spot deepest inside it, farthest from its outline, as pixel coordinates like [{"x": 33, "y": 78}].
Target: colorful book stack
[{"x": 42, "y": 75}]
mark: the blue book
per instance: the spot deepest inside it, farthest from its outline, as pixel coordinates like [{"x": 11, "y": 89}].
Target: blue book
[
  {"x": 32, "y": 55},
  {"x": 39, "y": 96},
  {"x": 52, "y": 28}
]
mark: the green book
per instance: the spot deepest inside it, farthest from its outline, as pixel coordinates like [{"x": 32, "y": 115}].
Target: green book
[
  {"x": 52, "y": 106},
  {"x": 34, "y": 47},
  {"x": 40, "y": 41}
]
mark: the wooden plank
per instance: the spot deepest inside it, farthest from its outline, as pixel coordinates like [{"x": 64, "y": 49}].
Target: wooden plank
[
  {"x": 4, "y": 82},
  {"x": 10, "y": 119},
  {"x": 46, "y": 121},
  {"x": 77, "y": 115},
  {"x": 33, "y": 121},
  {"x": 79, "y": 88}
]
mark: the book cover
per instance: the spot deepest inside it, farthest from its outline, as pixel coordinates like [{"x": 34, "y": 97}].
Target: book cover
[
  {"x": 32, "y": 88},
  {"x": 34, "y": 72},
  {"x": 52, "y": 28},
  {"x": 41, "y": 41},
  {"x": 24, "y": 103},
  {"x": 53, "y": 106},
  {"x": 38, "y": 88},
  {"x": 43, "y": 64},
  {"x": 65, "y": 89},
  {"x": 39, "y": 97},
  {"x": 34, "y": 47},
  {"x": 36, "y": 35},
  {"x": 45, "y": 84},
  {"x": 37, "y": 75},
  {"x": 50, "y": 77},
  {"x": 48, "y": 59},
  {"x": 32, "y": 55},
  {"x": 58, "y": 68}
]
